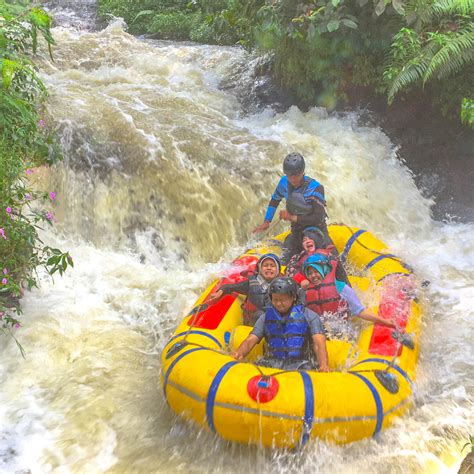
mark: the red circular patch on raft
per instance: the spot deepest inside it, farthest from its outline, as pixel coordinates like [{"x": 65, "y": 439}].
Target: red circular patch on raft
[{"x": 262, "y": 389}]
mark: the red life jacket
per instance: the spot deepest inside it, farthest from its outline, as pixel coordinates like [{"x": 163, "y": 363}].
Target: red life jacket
[
  {"x": 249, "y": 310},
  {"x": 327, "y": 252},
  {"x": 324, "y": 298},
  {"x": 297, "y": 272}
]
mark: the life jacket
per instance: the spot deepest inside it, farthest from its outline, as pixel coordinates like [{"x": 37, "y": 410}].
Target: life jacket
[
  {"x": 286, "y": 337},
  {"x": 256, "y": 298},
  {"x": 296, "y": 202},
  {"x": 324, "y": 298},
  {"x": 327, "y": 252}
]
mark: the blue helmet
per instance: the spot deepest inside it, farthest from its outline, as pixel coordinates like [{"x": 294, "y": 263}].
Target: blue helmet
[{"x": 319, "y": 262}]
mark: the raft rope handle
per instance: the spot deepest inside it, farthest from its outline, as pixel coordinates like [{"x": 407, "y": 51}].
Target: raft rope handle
[
  {"x": 184, "y": 340},
  {"x": 265, "y": 233},
  {"x": 271, "y": 226},
  {"x": 341, "y": 224},
  {"x": 195, "y": 316}
]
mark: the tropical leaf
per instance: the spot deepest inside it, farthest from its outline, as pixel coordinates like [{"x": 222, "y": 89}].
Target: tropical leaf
[
  {"x": 413, "y": 72},
  {"x": 452, "y": 7},
  {"x": 144, "y": 13},
  {"x": 8, "y": 68},
  {"x": 40, "y": 18},
  {"x": 333, "y": 25},
  {"x": 398, "y": 6},
  {"x": 380, "y": 7},
  {"x": 349, "y": 23},
  {"x": 453, "y": 56}
]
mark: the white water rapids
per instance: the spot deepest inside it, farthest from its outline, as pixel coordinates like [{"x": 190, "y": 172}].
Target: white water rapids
[{"x": 163, "y": 179}]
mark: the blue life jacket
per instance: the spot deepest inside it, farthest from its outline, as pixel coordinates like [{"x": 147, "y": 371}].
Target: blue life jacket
[{"x": 286, "y": 337}]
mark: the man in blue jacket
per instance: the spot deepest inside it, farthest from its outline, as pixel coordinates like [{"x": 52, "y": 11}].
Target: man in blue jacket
[{"x": 305, "y": 204}]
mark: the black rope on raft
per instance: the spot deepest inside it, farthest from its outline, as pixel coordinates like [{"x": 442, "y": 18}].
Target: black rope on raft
[{"x": 396, "y": 259}]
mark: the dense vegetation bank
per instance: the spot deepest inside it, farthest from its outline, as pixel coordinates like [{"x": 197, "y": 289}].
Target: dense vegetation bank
[
  {"x": 321, "y": 50},
  {"x": 25, "y": 145}
]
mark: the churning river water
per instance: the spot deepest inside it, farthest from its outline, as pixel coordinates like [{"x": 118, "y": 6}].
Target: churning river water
[{"x": 163, "y": 178}]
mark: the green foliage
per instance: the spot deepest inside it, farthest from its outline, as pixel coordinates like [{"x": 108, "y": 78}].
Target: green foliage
[
  {"x": 173, "y": 25},
  {"x": 163, "y": 18},
  {"x": 320, "y": 47},
  {"x": 467, "y": 112},
  {"x": 24, "y": 144},
  {"x": 438, "y": 46},
  {"x": 315, "y": 44}
]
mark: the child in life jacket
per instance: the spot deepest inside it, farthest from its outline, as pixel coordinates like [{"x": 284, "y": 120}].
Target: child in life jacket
[
  {"x": 287, "y": 328},
  {"x": 313, "y": 242},
  {"x": 255, "y": 287},
  {"x": 334, "y": 300}
]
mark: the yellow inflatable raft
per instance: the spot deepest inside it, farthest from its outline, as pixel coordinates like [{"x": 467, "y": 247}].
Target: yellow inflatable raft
[{"x": 370, "y": 383}]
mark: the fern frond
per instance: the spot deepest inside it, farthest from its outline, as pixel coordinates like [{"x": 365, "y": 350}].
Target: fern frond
[
  {"x": 455, "y": 54},
  {"x": 453, "y": 7},
  {"x": 425, "y": 10},
  {"x": 411, "y": 73},
  {"x": 419, "y": 10},
  {"x": 465, "y": 58}
]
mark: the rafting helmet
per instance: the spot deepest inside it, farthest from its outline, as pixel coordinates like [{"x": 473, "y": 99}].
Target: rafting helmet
[
  {"x": 283, "y": 285},
  {"x": 316, "y": 235},
  {"x": 270, "y": 256},
  {"x": 319, "y": 262},
  {"x": 293, "y": 164}
]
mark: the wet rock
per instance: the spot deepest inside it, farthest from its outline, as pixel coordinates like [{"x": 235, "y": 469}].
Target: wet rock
[
  {"x": 83, "y": 152},
  {"x": 251, "y": 81},
  {"x": 467, "y": 466},
  {"x": 78, "y": 15},
  {"x": 437, "y": 150}
]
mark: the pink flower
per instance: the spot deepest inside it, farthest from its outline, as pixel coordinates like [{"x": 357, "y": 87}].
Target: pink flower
[
  {"x": 18, "y": 325},
  {"x": 49, "y": 216},
  {"x": 29, "y": 171},
  {"x": 28, "y": 197},
  {"x": 4, "y": 281},
  {"x": 8, "y": 209},
  {"x": 52, "y": 195},
  {"x": 41, "y": 123},
  {"x": 5, "y": 271},
  {"x": 2, "y": 234}
]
